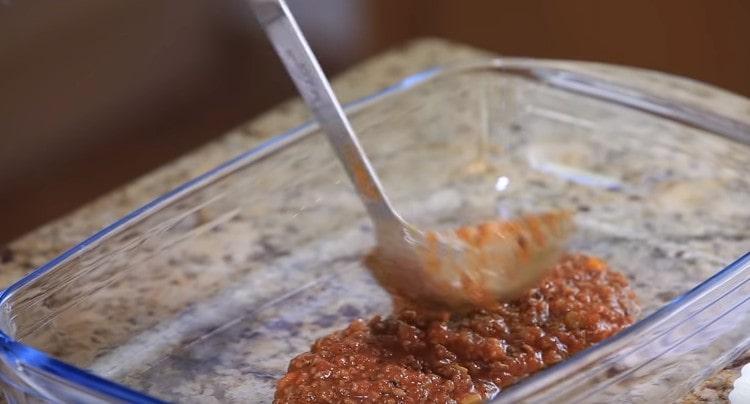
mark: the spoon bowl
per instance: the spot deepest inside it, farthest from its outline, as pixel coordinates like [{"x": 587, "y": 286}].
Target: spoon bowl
[{"x": 472, "y": 266}]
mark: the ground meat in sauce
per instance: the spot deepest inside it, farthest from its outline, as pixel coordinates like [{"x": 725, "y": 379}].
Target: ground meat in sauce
[{"x": 421, "y": 357}]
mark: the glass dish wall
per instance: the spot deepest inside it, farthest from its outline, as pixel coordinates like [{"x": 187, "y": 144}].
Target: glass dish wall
[{"x": 210, "y": 290}]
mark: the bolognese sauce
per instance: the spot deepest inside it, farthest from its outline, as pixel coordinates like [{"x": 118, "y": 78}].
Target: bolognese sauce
[{"x": 417, "y": 355}]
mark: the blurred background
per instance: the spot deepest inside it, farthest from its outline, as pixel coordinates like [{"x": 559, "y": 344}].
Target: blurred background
[{"x": 94, "y": 93}]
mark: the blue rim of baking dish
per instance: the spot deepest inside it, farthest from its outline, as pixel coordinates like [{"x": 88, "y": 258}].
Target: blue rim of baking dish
[{"x": 25, "y": 358}]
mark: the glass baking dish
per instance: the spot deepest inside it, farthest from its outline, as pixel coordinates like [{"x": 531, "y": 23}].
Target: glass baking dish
[{"x": 207, "y": 292}]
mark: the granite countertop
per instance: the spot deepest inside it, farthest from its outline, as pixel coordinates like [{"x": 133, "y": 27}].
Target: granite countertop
[{"x": 39, "y": 246}]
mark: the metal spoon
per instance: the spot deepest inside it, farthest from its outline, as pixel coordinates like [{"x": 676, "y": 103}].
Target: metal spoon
[{"x": 471, "y": 266}]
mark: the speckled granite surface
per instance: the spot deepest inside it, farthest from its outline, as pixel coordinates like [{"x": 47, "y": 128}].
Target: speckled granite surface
[{"x": 36, "y": 248}]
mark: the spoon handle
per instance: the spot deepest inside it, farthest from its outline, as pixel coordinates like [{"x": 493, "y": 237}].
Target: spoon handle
[{"x": 311, "y": 82}]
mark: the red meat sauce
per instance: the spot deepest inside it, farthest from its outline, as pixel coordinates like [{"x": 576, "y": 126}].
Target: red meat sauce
[{"x": 418, "y": 356}]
